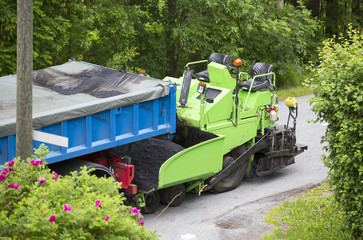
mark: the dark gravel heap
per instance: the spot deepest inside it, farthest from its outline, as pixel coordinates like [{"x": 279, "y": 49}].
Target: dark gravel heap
[
  {"x": 100, "y": 82},
  {"x": 148, "y": 155}
]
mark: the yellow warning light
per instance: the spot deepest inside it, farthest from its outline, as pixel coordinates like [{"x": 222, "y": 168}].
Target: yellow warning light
[{"x": 291, "y": 102}]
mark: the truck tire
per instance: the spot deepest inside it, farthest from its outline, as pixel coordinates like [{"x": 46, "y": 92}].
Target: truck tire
[
  {"x": 168, "y": 194},
  {"x": 152, "y": 202},
  {"x": 235, "y": 178}
]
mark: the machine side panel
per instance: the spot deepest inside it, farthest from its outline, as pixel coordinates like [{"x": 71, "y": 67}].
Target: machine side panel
[{"x": 196, "y": 162}]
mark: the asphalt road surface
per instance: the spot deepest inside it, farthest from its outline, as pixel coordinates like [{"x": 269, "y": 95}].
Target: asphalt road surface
[{"x": 239, "y": 214}]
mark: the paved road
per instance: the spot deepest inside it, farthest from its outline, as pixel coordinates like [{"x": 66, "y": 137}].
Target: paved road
[{"x": 239, "y": 214}]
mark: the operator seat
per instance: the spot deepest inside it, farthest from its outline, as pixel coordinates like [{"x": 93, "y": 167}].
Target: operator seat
[
  {"x": 261, "y": 83},
  {"x": 218, "y": 58}
]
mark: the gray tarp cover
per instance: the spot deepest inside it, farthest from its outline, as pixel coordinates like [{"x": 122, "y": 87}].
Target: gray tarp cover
[{"x": 76, "y": 89}]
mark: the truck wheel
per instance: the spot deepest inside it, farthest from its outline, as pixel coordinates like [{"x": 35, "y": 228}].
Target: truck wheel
[
  {"x": 233, "y": 179},
  {"x": 152, "y": 202},
  {"x": 168, "y": 194}
]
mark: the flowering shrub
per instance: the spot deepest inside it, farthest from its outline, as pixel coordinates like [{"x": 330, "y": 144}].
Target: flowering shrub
[{"x": 36, "y": 203}]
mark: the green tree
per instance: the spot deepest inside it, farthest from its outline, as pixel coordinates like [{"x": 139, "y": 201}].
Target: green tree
[
  {"x": 7, "y": 37},
  {"x": 338, "y": 87},
  {"x": 336, "y": 14},
  {"x": 49, "y": 34},
  {"x": 174, "y": 32},
  {"x": 114, "y": 34},
  {"x": 97, "y": 31},
  {"x": 161, "y": 36}
]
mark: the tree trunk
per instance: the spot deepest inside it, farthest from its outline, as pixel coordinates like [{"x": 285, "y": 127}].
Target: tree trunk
[
  {"x": 171, "y": 52},
  {"x": 331, "y": 21},
  {"x": 294, "y": 2},
  {"x": 280, "y": 4},
  {"x": 315, "y": 8},
  {"x": 357, "y": 10},
  {"x": 24, "y": 72},
  {"x": 70, "y": 40}
]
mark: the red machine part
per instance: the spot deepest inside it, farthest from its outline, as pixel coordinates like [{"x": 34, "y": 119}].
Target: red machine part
[{"x": 124, "y": 173}]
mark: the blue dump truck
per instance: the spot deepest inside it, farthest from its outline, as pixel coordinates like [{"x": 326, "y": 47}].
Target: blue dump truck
[{"x": 130, "y": 127}]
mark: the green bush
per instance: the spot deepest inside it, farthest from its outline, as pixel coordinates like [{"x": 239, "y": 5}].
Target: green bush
[
  {"x": 338, "y": 89},
  {"x": 313, "y": 215},
  {"x": 38, "y": 204}
]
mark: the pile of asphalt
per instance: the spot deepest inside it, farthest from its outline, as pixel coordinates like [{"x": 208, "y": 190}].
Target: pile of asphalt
[{"x": 147, "y": 156}]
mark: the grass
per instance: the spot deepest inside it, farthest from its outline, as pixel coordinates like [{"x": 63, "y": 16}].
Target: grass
[
  {"x": 312, "y": 215},
  {"x": 293, "y": 92}
]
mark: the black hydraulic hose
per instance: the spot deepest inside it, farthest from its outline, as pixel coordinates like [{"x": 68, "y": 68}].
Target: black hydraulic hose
[{"x": 291, "y": 110}]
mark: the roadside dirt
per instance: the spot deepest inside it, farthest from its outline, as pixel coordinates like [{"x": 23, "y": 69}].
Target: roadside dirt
[{"x": 247, "y": 221}]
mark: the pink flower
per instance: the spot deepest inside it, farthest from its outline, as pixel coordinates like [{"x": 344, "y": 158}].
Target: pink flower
[
  {"x": 135, "y": 211},
  {"x": 34, "y": 163},
  {"x": 5, "y": 171},
  {"x": 11, "y": 163},
  {"x": 2, "y": 177},
  {"x": 106, "y": 218},
  {"x": 16, "y": 186},
  {"x": 42, "y": 180},
  {"x": 119, "y": 208},
  {"x": 98, "y": 203},
  {"x": 41, "y": 195},
  {"x": 38, "y": 161},
  {"x": 9, "y": 204},
  {"x": 41, "y": 210},
  {"x": 25, "y": 165},
  {"x": 11, "y": 185},
  {"x": 55, "y": 176},
  {"x": 52, "y": 218},
  {"x": 141, "y": 222},
  {"x": 67, "y": 208}
]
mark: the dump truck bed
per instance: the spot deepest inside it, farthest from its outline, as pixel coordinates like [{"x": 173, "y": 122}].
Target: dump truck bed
[{"x": 95, "y": 107}]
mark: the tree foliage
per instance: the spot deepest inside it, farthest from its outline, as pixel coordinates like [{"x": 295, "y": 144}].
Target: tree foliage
[
  {"x": 96, "y": 31},
  {"x": 7, "y": 37},
  {"x": 338, "y": 88},
  {"x": 180, "y": 31},
  {"x": 336, "y": 14},
  {"x": 161, "y": 36}
]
